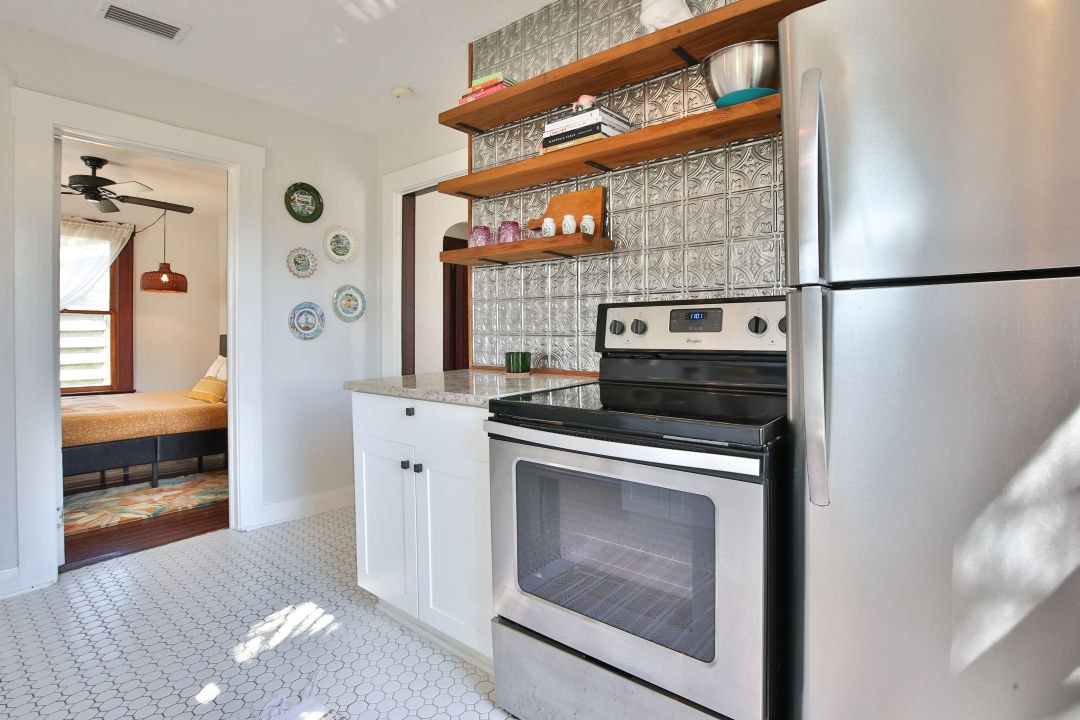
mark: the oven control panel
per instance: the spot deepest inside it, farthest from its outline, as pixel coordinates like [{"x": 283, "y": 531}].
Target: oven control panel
[{"x": 756, "y": 324}]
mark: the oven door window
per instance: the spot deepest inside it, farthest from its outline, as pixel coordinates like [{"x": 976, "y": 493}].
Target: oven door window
[{"x": 636, "y": 557}]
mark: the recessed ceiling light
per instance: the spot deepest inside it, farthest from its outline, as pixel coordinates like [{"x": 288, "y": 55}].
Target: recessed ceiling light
[{"x": 401, "y": 92}]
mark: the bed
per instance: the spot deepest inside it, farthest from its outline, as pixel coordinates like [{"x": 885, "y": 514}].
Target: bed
[{"x": 103, "y": 432}]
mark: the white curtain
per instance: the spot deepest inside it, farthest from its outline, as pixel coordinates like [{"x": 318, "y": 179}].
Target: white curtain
[{"x": 87, "y": 249}]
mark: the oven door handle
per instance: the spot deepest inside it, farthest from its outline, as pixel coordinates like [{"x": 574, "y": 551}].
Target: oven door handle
[{"x": 708, "y": 461}]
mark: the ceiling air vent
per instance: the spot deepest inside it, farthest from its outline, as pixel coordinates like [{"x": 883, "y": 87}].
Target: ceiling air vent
[{"x": 154, "y": 26}]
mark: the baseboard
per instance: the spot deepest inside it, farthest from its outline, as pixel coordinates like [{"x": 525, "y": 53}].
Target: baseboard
[
  {"x": 297, "y": 508},
  {"x": 464, "y": 652},
  {"x": 9, "y": 584}
]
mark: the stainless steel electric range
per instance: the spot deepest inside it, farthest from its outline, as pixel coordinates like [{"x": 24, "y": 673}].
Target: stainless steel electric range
[{"x": 640, "y": 524}]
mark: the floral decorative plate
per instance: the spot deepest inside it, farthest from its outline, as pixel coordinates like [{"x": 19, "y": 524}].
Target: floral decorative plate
[
  {"x": 306, "y": 321},
  {"x": 339, "y": 244},
  {"x": 349, "y": 303},
  {"x": 302, "y": 262},
  {"x": 303, "y": 202}
]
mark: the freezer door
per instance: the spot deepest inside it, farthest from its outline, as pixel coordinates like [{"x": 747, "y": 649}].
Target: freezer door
[
  {"x": 947, "y": 136},
  {"x": 943, "y": 577}
]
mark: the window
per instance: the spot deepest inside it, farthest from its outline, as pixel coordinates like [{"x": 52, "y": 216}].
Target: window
[{"x": 96, "y": 333}]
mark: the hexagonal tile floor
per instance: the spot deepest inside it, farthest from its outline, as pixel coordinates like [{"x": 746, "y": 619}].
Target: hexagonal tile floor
[{"x": 204, "y": 626}]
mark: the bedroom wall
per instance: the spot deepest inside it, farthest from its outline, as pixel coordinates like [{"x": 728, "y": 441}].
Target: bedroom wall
[
  {"x": 176, "y": 336},
  {"x": 307, "y": 449}
]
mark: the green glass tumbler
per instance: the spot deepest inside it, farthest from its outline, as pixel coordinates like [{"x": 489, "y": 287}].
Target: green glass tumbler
[{"x": 518, "y": 363}]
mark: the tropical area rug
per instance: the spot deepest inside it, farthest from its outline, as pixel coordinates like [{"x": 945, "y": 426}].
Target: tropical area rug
[{"x": 112, "y": 506}]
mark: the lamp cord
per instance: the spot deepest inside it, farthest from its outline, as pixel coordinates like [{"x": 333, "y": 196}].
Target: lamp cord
[{"x": 164, "y": 227}]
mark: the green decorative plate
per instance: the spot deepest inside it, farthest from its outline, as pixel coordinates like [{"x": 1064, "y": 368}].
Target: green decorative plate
[{"x": 303, "y": 202}]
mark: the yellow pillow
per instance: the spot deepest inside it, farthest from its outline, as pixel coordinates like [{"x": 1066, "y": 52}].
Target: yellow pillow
[{"x": 209, "y": 389}]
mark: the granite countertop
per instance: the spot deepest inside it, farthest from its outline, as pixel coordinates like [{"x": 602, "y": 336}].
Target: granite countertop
[{"x": 463, "y": 387}]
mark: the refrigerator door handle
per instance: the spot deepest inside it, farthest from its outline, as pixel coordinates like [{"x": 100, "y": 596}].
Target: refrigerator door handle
[
  {"x": 814, "y": 392},
  {"x": 810, "y": 203}
]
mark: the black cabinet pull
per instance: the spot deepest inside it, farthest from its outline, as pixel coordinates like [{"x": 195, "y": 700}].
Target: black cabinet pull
[
  {"x": 418, "y": 468},
  {"x": 404, "y": 464},
  {"x": 410, "y": 411}
]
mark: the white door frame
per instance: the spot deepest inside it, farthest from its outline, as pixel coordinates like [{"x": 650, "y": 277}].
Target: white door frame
[
  {"x": 39, "y": 119},
  {"x": 392, "y": 188}
]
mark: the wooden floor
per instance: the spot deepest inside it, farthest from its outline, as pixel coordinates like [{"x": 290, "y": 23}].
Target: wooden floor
[{"x": 94, "y": 546}]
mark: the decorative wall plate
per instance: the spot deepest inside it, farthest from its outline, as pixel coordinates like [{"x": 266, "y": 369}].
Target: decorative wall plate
[
  {"x": 307, "y": 321},
  {"x": 303, "y": 202},
  {"x": 349, "y": 303},
  {"x": 302, "y": 262},
  {"x": 339, "y": 243}
]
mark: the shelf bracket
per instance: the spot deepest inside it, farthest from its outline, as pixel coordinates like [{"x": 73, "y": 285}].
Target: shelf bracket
[
  {"x": 470, "y": 195},
  {"x": 686, "y": 57},
  {"x": 557, "y": 254},
  {"x": 496, "y": 262},
  {"x": 598, "y": 166},
  {"x": 469, "y": 128}
]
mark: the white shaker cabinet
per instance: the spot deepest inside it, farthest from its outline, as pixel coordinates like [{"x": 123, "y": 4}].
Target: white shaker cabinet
[{"x": 423, "y": 528}]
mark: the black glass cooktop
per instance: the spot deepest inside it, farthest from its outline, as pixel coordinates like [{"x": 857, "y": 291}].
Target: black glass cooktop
[{"x": 657, "y": 410}]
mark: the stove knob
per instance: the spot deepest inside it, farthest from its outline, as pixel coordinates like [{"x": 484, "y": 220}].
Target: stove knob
[
  {"x": 782, "y": 325},
  {"x": 617, "y": 327},
  {"x": 639, "y": 327},
  {"x": 757, "y": 325}
]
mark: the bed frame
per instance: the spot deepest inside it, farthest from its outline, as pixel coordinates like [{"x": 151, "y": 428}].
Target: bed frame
[{"x": 99, "y": 457}]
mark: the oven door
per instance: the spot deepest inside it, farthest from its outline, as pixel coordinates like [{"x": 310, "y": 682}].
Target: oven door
[{"x": 648, "y": 559}]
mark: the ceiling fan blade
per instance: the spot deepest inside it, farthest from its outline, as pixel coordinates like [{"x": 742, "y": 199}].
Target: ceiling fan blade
[
  {"x": 130, "y": 186},
  {"x": 89, "y": 181},
  {"x": 69, "y": 193},
  {"x": 154, "y": 204},
  {"x": 106, "y": 205}
]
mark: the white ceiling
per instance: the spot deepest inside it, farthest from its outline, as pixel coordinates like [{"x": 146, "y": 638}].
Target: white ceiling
[
  {"x": 332, "y": 59},
  {"x": 203, "y": 188}
]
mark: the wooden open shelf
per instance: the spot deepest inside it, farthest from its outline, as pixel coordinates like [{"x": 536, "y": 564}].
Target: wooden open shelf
[
  {"x": 531, "y": 249},
  {"x": 686, "y": 43},
  {"x": 695, "y": 132}
]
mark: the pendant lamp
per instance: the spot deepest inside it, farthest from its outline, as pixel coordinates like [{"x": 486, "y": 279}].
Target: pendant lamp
[{"x": 163, "y": 279}]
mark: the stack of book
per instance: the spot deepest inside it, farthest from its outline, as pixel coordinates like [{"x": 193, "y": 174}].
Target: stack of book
[
  {"x": 485, "y": 86},
  {"x": 581, "y": 127}
]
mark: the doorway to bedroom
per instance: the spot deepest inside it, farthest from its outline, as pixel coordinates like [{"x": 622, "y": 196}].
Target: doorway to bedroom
[{"x": 143, "y": 373}]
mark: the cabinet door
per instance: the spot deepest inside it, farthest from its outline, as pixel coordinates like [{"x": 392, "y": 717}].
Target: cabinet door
[
  {"x": 386, "y": 521},
  {"x": 454, "y": 553}
]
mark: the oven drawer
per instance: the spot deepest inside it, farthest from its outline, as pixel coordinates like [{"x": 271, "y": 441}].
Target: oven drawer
[{"x": 654, "y": 570}]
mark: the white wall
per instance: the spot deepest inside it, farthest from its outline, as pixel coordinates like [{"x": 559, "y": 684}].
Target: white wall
[
  {"x": 435, "y": 213},
  {"x": 8, "y": 527},
  {"x": 413, "y": 143},
  {"x": 307, "y": 457}
]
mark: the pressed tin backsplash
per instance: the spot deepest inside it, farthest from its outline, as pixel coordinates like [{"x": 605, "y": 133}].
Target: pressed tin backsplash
[{"x": 699, "y": 225}]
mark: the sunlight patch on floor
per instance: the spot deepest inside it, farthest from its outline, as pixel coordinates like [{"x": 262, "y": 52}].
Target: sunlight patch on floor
[{"x": 292, "y": 621}]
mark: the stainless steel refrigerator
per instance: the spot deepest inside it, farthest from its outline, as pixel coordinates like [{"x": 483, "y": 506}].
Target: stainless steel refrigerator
[{"x": 932, "y": 174}]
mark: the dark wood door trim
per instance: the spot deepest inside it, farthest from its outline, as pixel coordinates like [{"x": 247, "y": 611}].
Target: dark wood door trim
[
  {"x": 408, "y": 284},
  {"x": 455, "y": 310}
]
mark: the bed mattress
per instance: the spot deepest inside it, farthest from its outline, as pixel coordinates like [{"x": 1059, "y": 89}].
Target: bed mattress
[{"x": 88, "y": 419}]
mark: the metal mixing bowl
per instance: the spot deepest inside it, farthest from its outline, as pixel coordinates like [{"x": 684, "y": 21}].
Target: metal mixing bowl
[{"x": 753, "y": 64}]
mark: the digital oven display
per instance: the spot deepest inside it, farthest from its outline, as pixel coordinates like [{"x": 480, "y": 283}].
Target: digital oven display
[{"x": 707, "y": 320}]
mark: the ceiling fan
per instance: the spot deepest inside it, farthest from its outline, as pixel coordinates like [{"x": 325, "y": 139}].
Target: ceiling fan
[{"x": 102, "y": 191}]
